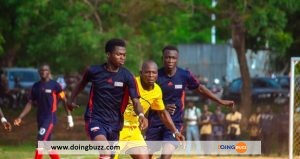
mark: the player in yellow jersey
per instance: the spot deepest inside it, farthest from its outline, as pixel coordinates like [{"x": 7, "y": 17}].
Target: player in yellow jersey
[{"x": 150, "y": 98}]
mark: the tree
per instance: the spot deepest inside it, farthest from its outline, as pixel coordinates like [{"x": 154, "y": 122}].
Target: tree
[{"x": 263, "y": 21}]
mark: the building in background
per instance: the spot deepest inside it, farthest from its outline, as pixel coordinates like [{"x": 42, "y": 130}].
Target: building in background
[{"x": 220, "y": 61}]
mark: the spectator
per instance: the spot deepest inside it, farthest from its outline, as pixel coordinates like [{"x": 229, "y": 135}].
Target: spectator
[
  {"x": 255, "y": 125},
  {"x": 206, "y": 126},
  {"x": 62, "y": 82},
  {"x": 218, "y": 120},
  {"x": 283, "y": 133},
  {"x": 266, "y": 129},
  {"x": 192, "y": 118},
  {"x": 233, "y": 120}
]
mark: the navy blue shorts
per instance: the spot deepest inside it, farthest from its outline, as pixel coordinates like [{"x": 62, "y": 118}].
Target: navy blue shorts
[
  {"x": 160, "y": 133},
  {"x": 94, "y": 129},
  {"x": 45, "y": 130}
]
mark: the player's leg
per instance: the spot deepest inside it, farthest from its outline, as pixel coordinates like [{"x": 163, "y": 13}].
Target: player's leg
[
  {"x": 138, "y": 152},
  {"x": 98, "y": 132},
  {"x": 44, "y": 134},
  {"x": 104, "y": 154},
  {"x": 170, "y": 144},
  {"x": 153, "y": 134},
  {"x": 136, "y": 145}
]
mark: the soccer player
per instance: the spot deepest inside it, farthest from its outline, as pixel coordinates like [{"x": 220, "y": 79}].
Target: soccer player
[
  {"x": 173, "y": 82},
  {"x": 111, "y": 86},
  {"x": 5, "y": 123},
  {"x": 45, "y": 94},
  {"x": 150, "y": 97}
]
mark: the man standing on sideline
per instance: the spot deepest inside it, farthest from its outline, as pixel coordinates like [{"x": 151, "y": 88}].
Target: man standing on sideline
[
  {"x": 255, "y": 125},
  {"x": 151, "y": 97},
  {"x": 218, "y": 121},
  {"x": 192, "y": 116},
  {"x": 233, "y": 120},
  {"x": 206, "y": 124},
  {"x": 112, "y": 84},
  {"x": 173, "y": 82},
  {"x": 44, "y": 94},
  {"x": 4, "y": 122}
]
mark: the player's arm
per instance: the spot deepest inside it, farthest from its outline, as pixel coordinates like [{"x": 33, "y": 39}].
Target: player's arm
[
  {"x": 207, "y": 93},
  {"x": 5, "y": 123},
  {"x": 138, "y": 109},
  {"x": 79, "y": 87},
  {"x": 63, "y": 97},
  {"x": 167, "y": 120},
  {"x": 25, "y": 111}
]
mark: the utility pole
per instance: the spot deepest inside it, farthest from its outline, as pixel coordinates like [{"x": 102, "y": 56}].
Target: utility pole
[{"x": 213, "y": 18}]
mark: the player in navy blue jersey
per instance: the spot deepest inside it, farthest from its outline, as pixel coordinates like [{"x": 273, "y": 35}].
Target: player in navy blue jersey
[
  {"x": 45, "y": 94},
  {"x": 173, "y": 82},
  {"x": 112, "y": 84}
]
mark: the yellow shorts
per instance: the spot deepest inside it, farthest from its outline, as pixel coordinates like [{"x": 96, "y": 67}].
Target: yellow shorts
[{"x": 131, "y": 136}]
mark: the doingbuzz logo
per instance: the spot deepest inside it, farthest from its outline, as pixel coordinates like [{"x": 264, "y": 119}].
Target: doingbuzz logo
[{"x": 240, "y": 147}]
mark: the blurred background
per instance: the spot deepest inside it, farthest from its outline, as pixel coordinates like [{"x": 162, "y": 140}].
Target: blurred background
[{"x": 240, "y": 50}]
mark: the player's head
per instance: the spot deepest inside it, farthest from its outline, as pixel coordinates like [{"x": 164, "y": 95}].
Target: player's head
[
  {"x": 190, "y": 104},
  {"x": 218, "y": 109},
  {"x": 170, "y": 57},
  {"x": 205, "y": 108},
  {"x": 149, "y": 73},
  {"x": 44, "y": 71},
  {"x": 116, "y": 51}
]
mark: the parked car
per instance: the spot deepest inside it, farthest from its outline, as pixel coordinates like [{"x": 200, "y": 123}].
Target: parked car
[
  {"x": 283, "y": 81},
  {"x": 264, "y": 90},
  {"x": 26, "y": 76},
  {"x": 19, "y": 80}
]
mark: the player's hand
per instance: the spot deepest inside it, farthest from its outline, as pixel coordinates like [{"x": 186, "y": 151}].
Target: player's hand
[
  {"x": 171, "y": 108},
  {"x": 143, "y": 122},
  {"x": 179, "y": 137},
  {"x": 7, "y": 126},
  {"x": 228, "y": 103},
  {"x": 72, "y": 106},
  {"x": 18, "y": 122}
]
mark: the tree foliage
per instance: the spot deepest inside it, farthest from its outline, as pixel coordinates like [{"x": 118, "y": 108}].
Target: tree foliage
[{"x": 72, "y": 34}]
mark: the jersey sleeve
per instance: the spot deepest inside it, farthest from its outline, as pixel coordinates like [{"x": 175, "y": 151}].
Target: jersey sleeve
[
  {"x": 32, "y": 95},
  {"x": 192, "y": 82},
  {"x": 58, "y": 88},
  {"x": 158, "y": 103},
  {"x": 87, "y": 74},
  {"x": 132, "y": 86}
]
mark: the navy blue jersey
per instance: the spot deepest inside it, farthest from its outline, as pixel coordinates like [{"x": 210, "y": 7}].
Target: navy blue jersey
[
  {"x": 173, "y": 89},
  {"x": 45, "y": 95},
  {"x": 109, "y": 95}
]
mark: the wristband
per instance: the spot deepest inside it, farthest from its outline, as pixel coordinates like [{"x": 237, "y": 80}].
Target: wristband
[
  {"x": 3, "y": 120},
  {"x": 176, "y": 132},
  {"x": 141, "y": 115},
  {"x": 70, "y": 121}
]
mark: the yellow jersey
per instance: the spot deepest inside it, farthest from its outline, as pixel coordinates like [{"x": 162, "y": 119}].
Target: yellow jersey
[{"x": 148, "y": 99}]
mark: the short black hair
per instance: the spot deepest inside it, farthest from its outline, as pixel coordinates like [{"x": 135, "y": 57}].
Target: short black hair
[
  {"x": 45, "y": 64},
  {"x": 169, "y": 47},
  {"x": 112, "y": 43}
]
